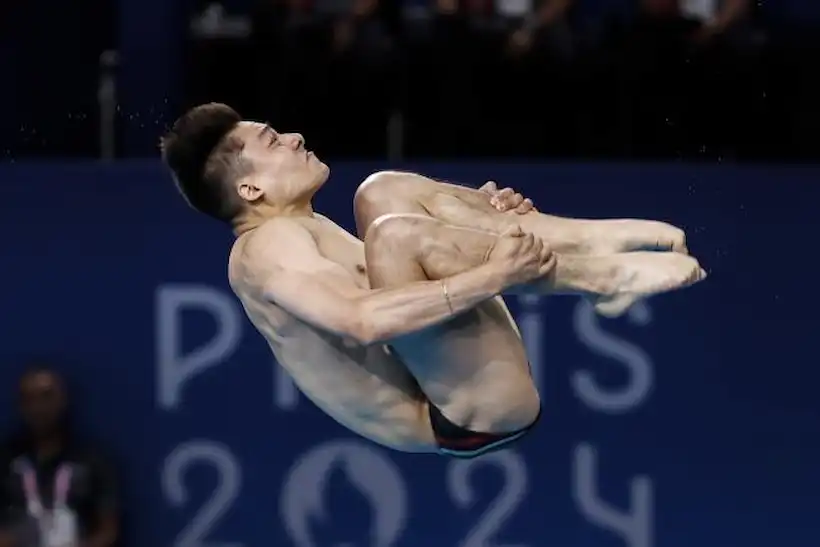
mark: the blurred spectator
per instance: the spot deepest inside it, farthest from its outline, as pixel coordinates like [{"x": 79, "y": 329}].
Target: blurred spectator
[
  {"x": 792, "y": 83},
  {"x": 688, "y": 82},
  {"x": 683, "y": 79},
  {"x": 547, "y": 27},
  {"x": 364, "y": 77},
  {"x": 55, "y": 491},
  {"x": 442, "y": 93},
  {"x": 291, "y": 66},
  {"x": 539, "y": 71},
  {"x": 500, "y": 68},
  {"x": 726, "y": 58},
  {"x": 327, "y": 69},
  {"x": 655, "y": 61},
  {"x": 718, "y": 20},
  {"x": 219, "y": 58}
]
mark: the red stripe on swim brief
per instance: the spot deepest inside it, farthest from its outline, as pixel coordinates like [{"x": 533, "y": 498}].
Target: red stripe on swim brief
[{"x": 474, "y": 441}]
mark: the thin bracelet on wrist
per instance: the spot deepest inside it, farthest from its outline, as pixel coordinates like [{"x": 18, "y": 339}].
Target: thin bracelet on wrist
[{"x": 447, "y": 296}]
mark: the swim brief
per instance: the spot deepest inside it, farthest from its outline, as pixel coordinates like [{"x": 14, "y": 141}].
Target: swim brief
[{"x": 456, "y": 441}]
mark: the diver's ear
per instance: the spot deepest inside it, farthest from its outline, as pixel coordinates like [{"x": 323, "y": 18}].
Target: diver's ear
[{"x": 249, "y": 191}]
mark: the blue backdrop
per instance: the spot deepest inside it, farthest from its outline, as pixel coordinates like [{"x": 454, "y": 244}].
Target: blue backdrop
[{"x": 693, "y": 421}]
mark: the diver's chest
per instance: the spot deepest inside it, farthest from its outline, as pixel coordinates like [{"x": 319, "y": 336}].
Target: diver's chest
[{"x": 344, "y": 250}]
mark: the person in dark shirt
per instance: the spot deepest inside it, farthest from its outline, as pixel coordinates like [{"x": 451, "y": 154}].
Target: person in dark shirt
[{"x": 54, "y": 490}]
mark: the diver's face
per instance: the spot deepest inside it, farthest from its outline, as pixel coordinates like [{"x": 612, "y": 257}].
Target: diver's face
[{"x": 283, "y": 170}]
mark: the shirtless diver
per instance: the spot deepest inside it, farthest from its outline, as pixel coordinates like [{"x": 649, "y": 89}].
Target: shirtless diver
[{"x": 401, "y": 334}]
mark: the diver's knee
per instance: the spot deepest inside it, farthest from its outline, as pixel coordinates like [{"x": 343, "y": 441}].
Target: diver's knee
[
  {"x": 384, "y": 192},
  {"x": 379, "y": 186}
]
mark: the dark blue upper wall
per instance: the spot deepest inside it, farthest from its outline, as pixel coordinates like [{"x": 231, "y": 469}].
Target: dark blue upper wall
[{"x": 726, "y": 430}]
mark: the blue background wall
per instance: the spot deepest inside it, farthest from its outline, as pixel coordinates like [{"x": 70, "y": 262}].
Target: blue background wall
[{"x": 693, "y": 421}]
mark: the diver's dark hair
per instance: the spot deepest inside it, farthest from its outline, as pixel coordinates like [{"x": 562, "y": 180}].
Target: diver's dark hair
[{"x": 206, "y": 160}]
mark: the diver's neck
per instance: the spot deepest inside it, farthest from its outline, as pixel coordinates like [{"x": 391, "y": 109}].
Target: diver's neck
[{"x": 257, "y": 215}]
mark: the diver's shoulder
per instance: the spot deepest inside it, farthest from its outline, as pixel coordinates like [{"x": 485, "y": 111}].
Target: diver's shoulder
[{"x": 270, "y": 245}]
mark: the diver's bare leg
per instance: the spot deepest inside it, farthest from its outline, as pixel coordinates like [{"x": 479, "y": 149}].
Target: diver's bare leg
[
  {"x": 614, "y": 281},
  {"x": 395, "y": 192},
  {"x": 473, "y": 368}
]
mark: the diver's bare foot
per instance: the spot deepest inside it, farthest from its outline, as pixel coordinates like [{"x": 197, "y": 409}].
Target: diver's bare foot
[
  {"x": 623, "y": 235},
  {"x": 626, "y": 278}
]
